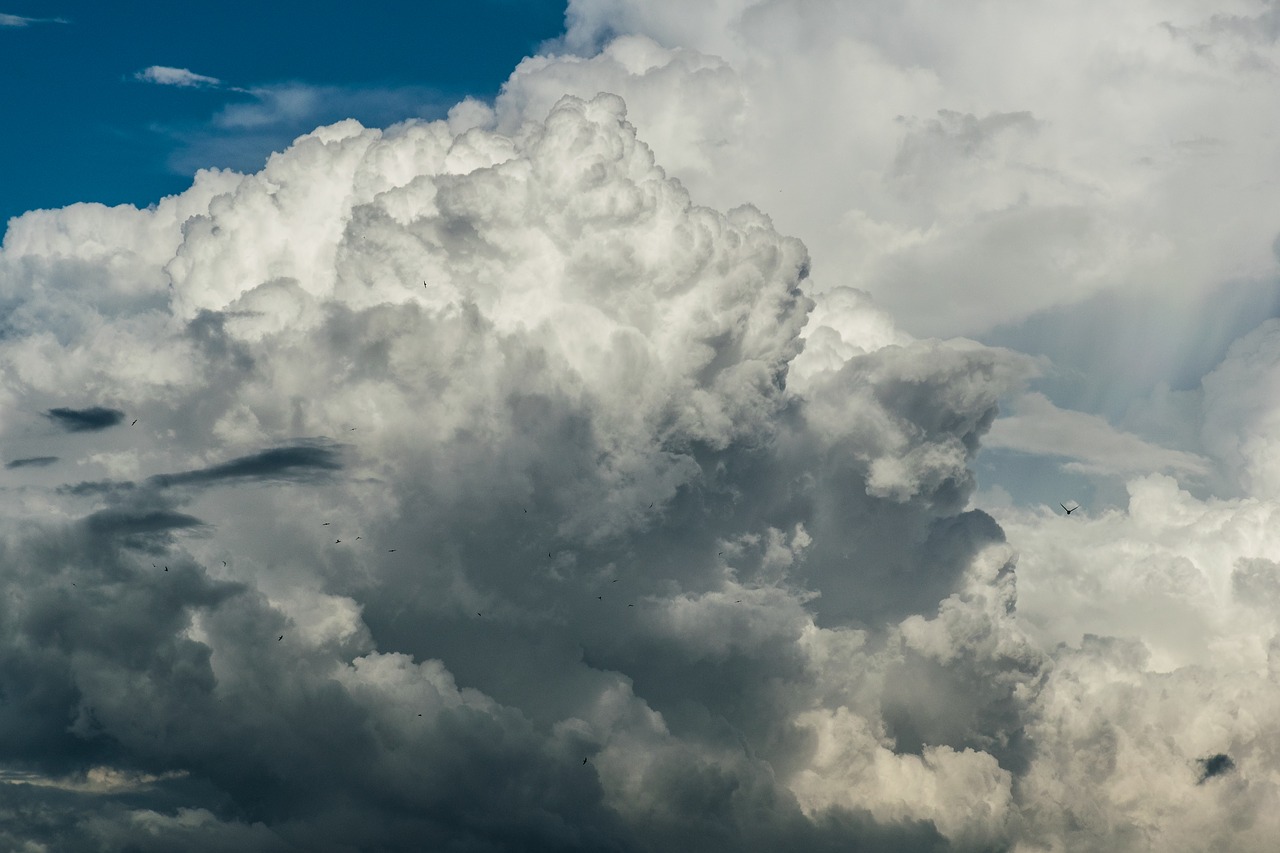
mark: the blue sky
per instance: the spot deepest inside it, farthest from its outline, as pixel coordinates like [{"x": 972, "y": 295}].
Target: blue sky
[{"x": 80, "y": 127}]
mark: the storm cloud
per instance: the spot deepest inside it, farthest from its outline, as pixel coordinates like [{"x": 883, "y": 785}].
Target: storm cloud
[{"x": 500, "y": 490}]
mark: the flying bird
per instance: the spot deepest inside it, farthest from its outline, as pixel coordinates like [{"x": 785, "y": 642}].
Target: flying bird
[
  {"x": 615, "y": 580},
  {"x": 166, "y": 568},
  {"x": 1069, "y": 511},
  {"x": 336, "y": 541},
  {"x": 135, "y": 420},
  {"x": 326, "y": 524},
  {"x": 224, "y": 562},
  {"x": 281, "y": 637},
  {"x": 584, "y": 761},
  {"x": 391, "y": 550}
]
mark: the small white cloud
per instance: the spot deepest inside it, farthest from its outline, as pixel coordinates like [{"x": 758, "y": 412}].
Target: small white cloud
[
  {"x": 163, "y": 75},
  {"x": 20, "y": 21}
]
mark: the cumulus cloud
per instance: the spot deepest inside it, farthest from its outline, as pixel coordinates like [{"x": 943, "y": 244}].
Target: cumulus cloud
[
  {"x": 489, "y": 459},
  {"x": 495, "y": 488},
  {"x": 962, "y": 199}
]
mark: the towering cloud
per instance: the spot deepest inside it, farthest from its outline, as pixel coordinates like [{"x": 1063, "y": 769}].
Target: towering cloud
[
  {"x": 488, "y": 461},
  {"x": 488, "y": 491}
]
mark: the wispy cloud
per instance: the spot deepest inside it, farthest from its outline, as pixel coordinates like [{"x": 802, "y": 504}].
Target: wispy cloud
[
  {"x": 34, "y": 461},
  {"x": 164, "y": 75},
  {"x": 20, "y": 21},
  {"x": 96, "y": 780},
  {"x": 1038, "y": 426}
]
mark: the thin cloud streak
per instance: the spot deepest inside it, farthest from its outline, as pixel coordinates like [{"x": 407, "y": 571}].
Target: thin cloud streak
[{"x": 20, "y": 21}]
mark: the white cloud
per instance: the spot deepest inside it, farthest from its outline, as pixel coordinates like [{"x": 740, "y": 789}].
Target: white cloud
[
  {"x": 164, "y": 75},
  {"x": 507, "y": 371},
  {"x": 897, "y": 144},
  {"x": 20, "y": 21},
  {"x": 1094, "y": 446}
]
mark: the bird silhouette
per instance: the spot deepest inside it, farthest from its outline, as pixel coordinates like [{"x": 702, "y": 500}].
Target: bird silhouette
[
  {"x": 135, "y": 420},
  {"x": 166, "y": 568},
  {"x": 391, "y": 551},
  {"x": 615, "y": 580},
  {"x": 326, "y": 524},
  {"x": 336, "y": 541},
  {"x": 601, "y": 597},
  {"x": 1069, "y": 511},
  {"x": 281, "y": 637},
  {"x": 584, "y": 761},
  {"x": 224, "y": 562}
]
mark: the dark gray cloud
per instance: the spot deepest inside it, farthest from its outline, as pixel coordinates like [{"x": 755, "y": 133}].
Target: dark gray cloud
[
  {"x": 32, "y": 462},
  {"x": 1215, "y": 765},
  {"x": 298, "y": 462},
  {"x": 85, "y": 420}
]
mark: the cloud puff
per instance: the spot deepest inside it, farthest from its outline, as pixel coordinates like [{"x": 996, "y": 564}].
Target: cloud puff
[{"x": 164, "y": 75}]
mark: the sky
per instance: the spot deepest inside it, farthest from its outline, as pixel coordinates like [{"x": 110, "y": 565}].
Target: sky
[{"x": 640, "y": 426}]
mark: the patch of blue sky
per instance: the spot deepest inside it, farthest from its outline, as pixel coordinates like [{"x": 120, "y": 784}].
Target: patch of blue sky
[{"x": 85, "y": 121}]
